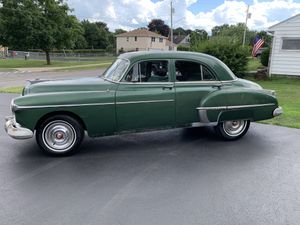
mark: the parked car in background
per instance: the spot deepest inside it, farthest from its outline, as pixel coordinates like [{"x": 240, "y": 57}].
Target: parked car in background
[{"x": 140, "y": 91}]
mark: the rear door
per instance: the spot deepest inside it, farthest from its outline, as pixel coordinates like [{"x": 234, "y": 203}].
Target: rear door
[{"x": 194, "y": 81}]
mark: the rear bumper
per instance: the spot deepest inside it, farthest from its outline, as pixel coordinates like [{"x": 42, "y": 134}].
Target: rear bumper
[
  {"x": 14, "y": 130},
  {"x": 278, "y": 111}
]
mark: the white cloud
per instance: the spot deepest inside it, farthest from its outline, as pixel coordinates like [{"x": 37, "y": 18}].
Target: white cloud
[{"x": 130, "y": 14}]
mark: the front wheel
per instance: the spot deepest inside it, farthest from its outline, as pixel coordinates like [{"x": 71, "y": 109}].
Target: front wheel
[
  {"x": 59, "y": 135},
  {"x": 232, "y": 130}
]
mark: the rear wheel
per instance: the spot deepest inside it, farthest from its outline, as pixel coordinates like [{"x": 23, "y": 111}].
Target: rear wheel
[
  {"x": 232, "y": 130},
  {"x": 59, "y": 135}
]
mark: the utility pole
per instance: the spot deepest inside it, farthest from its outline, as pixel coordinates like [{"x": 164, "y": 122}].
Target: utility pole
[
  {"x": 172, "y": 11},
  {"x": 245, "y": 31}
]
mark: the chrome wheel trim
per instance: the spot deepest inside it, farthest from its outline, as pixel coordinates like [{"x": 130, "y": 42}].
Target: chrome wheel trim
[
  {"x": 59, "y": 136},
  {"x": 234, "y": 128}
]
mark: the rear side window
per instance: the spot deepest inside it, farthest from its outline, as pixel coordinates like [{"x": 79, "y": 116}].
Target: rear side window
[{"x": 192, "y": 71}]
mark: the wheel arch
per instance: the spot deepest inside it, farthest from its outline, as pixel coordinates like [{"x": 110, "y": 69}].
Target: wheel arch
[{"x": 57, "y": 113}]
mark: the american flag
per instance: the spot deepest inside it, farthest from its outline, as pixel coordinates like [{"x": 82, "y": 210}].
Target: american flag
[{"x": 257, "y": 44}]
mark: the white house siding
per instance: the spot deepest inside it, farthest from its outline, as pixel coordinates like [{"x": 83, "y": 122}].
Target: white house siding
[
  {"x": 131, "y": 44},
  {"x": 142, "y": 44},
  {"x": 157, "y": 45},
  {"x": 285, "y": 62}
]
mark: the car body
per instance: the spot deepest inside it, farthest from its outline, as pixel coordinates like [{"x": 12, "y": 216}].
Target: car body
[{"x": 140, "y": 91}]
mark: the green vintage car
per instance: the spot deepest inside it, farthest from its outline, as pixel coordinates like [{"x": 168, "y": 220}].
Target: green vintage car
[{"x": 140, "y": 91}]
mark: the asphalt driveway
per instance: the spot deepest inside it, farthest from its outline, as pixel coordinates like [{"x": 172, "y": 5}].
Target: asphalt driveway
[
  {"x": 17, "y": 78},
  {"x": 180, "y": 176}
]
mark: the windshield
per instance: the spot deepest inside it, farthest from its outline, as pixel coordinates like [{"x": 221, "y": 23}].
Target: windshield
[{"x": 116, "y": 70}]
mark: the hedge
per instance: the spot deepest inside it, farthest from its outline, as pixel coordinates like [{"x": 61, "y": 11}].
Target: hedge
[{"x": 232, "y": 54}]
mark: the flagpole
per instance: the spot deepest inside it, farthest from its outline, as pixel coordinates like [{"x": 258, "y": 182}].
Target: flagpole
[
  {"x": 171, "y": 24},
  {"x": 247, "y": 15}
]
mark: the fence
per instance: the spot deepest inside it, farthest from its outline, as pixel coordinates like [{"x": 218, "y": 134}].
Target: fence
[{"x": 59, "y": 56}]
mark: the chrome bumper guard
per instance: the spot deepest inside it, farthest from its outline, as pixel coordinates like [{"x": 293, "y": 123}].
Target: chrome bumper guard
[
  {"x": 15, "y": 130},
  {"x": 278, "y": 111}
]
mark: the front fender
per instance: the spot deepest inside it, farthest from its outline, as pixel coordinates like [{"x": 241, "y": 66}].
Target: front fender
[{"x": 89, "y": 106}]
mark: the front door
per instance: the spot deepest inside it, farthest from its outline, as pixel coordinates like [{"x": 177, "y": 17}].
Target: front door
[{"x": 145, "y": 98}]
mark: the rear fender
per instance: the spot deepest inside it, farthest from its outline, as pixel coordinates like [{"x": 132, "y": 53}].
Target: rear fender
[{"x": 236, "y": 104}]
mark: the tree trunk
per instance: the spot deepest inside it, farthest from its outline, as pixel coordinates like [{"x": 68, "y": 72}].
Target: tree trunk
[{"x": 48, "y": 57}]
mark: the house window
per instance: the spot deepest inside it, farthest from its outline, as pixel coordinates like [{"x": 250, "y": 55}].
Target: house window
[
  {"x": 135, "y": 38},
  {"x": 161, "y": 39},
  {"x": 153, "y": 39},
  {"x": 127, "y": 38},
  {"x": 291, "y": 44}
]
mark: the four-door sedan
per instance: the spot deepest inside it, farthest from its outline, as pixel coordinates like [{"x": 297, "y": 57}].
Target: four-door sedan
[{"x": 140, "y": 91}]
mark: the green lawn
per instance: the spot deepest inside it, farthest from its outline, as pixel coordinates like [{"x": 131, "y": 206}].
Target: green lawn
[
  {"x": 253, "y": 64},
  {"x": 21, "y": 63},
  {"x": 288, "y": 94},
  {"x": 17, "y": 90}
]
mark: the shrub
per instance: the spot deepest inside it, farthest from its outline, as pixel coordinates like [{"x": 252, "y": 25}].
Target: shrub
[
  {"x": 264, "y": 58},
  {"x": 232, "y": 54},
  {"x": 183, "y": 48}
]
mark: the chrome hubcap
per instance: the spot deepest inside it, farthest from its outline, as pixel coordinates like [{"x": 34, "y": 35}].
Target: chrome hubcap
[
  {"x": 59, "y": 136},
  {"x": 235, "y": 127}
]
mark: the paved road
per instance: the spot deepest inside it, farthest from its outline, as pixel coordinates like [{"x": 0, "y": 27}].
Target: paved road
[
  {"x": 13, "y": 79},
  {"x": 176, "y": 177}
]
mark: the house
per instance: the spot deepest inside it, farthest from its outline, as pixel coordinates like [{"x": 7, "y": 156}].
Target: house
[
  {"x": 285, "y": 53},
  {"x": 141, "y": 40},
  {"x": 182, "y": 40}
]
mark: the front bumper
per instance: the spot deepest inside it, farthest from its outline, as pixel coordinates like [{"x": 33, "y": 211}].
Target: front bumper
[
  {"x": 15, "y": 130},
  {"x": 278, "y": 111}
]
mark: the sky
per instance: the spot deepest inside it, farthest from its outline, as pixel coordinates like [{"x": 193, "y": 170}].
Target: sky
[{"x": 189, "y": 14}]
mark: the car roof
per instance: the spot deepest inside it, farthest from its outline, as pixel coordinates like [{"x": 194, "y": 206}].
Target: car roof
[{"x": 223, "y": 72}]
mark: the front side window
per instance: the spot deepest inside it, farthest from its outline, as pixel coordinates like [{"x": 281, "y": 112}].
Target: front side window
[
  {"x": 291, "y": 44},
  {"x": 116, "y": 70},
  {"x": 153, "y": 39},
  {"x": 161, "y": 39},
  {"x": 192, "y": 71},
  {"x": 148, "y": 71}
]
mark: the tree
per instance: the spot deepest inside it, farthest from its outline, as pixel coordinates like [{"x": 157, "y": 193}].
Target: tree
[
  {"x": 234, "y": 55},
  {"x": 198, "y": 36},
  {"x": 42, "y": 24},
  {"x": 96, "y": 35},
  {"x": 179, "y": 31},
  {"x": 159, "y": 26},
  {"x": 119, "y": 31},
  {"x": 218, "y": 29},
  {"x": 235, "y": 32}
]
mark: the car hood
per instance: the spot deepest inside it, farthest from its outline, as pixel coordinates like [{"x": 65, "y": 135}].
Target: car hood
[{"x": 72, "y": 85}]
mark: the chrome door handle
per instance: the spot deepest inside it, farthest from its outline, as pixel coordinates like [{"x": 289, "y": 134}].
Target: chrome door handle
[
  {"x": 217, "y": 86},
  {"x": 168, "y": 87}
]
